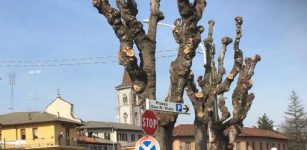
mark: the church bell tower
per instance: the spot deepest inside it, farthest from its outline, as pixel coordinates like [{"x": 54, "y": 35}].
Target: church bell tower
[{"x": 127, "y": 110}]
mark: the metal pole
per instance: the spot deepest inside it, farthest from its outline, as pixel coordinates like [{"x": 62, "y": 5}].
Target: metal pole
[
  {"x": 200, "y": 45},
  {"x": 4, "y": 143}
]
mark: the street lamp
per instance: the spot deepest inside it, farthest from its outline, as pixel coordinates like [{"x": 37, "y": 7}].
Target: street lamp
[{"x": 200, "y": 45}]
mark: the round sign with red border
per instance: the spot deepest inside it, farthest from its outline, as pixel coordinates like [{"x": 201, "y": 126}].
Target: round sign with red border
[
  {"x": 149, "y": 122},
  {"x": 147, "y": 143}
]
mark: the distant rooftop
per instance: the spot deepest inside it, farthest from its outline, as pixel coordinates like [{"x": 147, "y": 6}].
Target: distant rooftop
[
  {"x": 31, "y": 117},
  {"x": 90, "y": 140},
  {"x": 100, "y": 124},
  {"x": 189, "y": 130}
]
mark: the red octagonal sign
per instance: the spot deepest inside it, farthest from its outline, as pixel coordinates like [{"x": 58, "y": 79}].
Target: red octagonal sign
[{"x": 149, "y": 122}]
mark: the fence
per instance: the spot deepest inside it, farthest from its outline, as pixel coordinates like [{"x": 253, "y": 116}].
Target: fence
[{"x": 37, "y": 143}]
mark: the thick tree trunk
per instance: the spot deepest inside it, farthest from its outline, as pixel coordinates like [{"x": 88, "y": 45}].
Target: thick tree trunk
[
  {"x": 164, "y": 136},
  {"x": 200, "y": 135},
  {"x": 217, "y": 145}
]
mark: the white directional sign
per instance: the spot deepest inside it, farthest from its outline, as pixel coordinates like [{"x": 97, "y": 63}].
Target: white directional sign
[{"x": 167, "y": 106}]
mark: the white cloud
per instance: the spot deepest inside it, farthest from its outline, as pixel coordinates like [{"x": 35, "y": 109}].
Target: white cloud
[{"x": 32, "y": 72}]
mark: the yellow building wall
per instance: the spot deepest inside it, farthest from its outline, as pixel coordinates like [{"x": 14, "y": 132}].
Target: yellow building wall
[
  {"x": 45, "y": 131},
  {"x": 176, "y": 145},
  {"x": 8, "y": 134},
  {"x": 48, "y": 134},
  {"x": 180, "y": 144},
  {"x": 59, "y": 127}
]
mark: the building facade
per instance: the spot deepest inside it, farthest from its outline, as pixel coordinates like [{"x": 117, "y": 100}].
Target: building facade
[
  {"x": 62, "y": 108},
  {"x": 128, "y": 111},
  {"x": 248, "y": 139},
  {"x": 54, "y": 128},
  {"x": 38, "y": 130},
  {"x": 117, "y": 133}
]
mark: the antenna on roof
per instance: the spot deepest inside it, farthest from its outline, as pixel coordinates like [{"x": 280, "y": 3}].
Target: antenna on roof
[
  {"x": 29, "y": 98},
  {"x": 59, "y": 95},
  {"x": 12, "y": 83}
]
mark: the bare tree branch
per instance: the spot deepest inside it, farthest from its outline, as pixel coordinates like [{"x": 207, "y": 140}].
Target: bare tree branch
[
  {"x": 126, "y": 54},
  {"x": 238, "y": 60},
  {"x": 223, "y": 109},
  {"x": 221, "y": 70}
]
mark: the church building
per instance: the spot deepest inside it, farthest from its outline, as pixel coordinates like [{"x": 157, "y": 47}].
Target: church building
[{"x": 128, "y": 111}]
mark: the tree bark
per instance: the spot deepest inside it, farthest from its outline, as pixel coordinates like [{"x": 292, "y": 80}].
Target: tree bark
[
  {"x": 222, "y": 130},
  {"x": 200, "y": 135},
  {"x": 143, "y": 74}
]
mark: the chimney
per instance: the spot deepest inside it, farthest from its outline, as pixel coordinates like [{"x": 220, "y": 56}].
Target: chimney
[
  {"x": 29, "y": 115},
  {"x": 58, "y": 115}
]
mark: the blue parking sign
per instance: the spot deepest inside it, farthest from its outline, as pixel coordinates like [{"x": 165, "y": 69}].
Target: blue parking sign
[{"x": 178, "y": 107}]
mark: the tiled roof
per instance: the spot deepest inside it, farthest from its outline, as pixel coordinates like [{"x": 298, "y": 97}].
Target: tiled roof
[
  {"x": 31, "y": 117},
  {"x": 254, "y": 132},
  {"x": 109, "y": 125},
  {"x": 184, "y": 130},
  {"x": 90, "y": 140},
  {"x": 189, "y": 130}
]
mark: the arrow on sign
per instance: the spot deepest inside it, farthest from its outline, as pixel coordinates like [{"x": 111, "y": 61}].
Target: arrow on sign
[{"x": 186, "y": 108}]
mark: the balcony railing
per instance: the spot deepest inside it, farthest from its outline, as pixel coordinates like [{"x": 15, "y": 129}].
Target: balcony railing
[{"x": 38, "y": 143}]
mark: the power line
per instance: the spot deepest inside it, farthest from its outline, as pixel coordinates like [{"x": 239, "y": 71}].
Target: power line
[
  {"x": 71, "y": 59},
  {"x": 69, "y": 64}
]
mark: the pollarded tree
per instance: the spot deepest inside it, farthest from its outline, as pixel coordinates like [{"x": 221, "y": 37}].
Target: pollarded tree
[
  {"x": 295, "y": 123},
  {"x": 264, "y": 122},
  {"x": 223, "y": 130},
  {"x": 130, "y": 31},
  {"x": 187, "y": 34}
]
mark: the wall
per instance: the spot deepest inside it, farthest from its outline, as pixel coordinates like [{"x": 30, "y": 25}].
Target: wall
[
  {"x": 113, "y": 134},
  {"x": 130, "y": 107},
  {"x": 279, "y": 144},
  {"x": 180, "y": 143},
  {"x": 61, "y": 127},
  {"x": 12, "y": 135},
  {"x": 62, "y": 108}
]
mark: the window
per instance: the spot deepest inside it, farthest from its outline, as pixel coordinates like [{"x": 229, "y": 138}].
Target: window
[
  {"x": 22, "y": 134},
  {"x": 238, "y": 146},
  {"x": 125, "y": 117},
  {"x": 267, "y": 146},
  {"x": 122, "y": 137},
  {"x": 136, "y": 118},
  {"x": 34, "y": 133},
  {"x": 253, "y": 145},
  {"x": 134, "y": 99},
  {"x": 247, "y": 146},
  {"x": 260, "y": 146},
  {"x": 107, "y": 136},
  {"x": 188, "y": 146},
  {"x": 132, "y": 137},
  {"x": 284, "y": 146},
  {"x": 67, "y": 132},
  {"x": 90, "y": 134},
  {"x": 125, "y": 99},
  {"x": 278, "y": 146}
]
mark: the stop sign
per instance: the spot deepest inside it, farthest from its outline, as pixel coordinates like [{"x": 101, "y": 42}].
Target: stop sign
[{"x": 149, "y": 122}]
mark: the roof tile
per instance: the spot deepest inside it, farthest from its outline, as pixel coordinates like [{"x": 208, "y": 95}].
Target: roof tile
[{"x": 189, "y": 130}]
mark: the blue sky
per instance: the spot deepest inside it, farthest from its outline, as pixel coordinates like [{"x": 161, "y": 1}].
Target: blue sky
[{"x": 56, "y": 29}]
